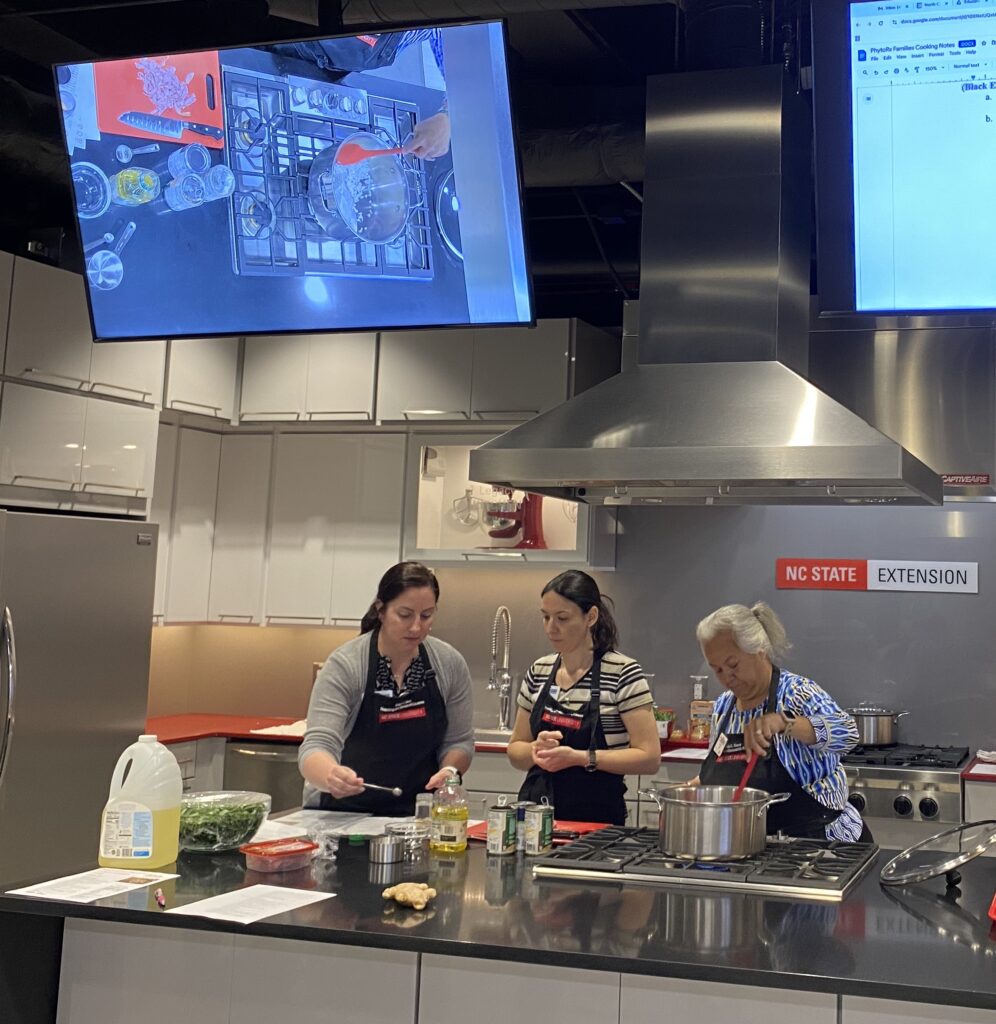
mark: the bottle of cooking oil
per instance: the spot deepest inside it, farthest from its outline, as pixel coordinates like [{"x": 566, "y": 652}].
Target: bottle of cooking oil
[
  {"x": 449, "y": 817},
  {"x": 140, "y": 826}
]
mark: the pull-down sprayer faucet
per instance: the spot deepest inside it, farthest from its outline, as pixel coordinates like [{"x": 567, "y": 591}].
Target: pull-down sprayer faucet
[{"x": 500, "y": 678}]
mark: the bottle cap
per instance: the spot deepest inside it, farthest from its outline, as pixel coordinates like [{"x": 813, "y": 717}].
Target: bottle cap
[
  {"x": 357, "y": 840},
  {"x": 147, "y": 737}
]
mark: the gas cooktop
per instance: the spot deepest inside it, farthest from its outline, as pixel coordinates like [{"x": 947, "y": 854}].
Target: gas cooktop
[
  {"x": 904, "y": 755},
  {"x": 816, "y": 869}
]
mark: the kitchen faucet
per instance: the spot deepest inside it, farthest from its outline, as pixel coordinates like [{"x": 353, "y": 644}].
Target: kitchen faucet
[{"x": 500, "y": 678}]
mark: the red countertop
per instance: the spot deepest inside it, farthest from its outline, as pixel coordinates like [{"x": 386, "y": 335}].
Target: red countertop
[
  {"x": 968, "y": 776},
  {"x": 178, "y": 728}
]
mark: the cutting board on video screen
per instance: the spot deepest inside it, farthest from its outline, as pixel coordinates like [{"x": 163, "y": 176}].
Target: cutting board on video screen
[
  {"x": 481, "y": 831},
  {"x": 119, "y": 89}
]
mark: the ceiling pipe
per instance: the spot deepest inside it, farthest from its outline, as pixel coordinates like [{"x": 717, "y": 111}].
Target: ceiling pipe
[
  {"x": 595, "y": 154},
  {"x": 356, "y": 12}
]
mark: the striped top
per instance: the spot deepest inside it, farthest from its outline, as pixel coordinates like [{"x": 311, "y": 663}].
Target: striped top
[
  {"x": 623, "y": 688},
  {"x": 816, "y": 768}
]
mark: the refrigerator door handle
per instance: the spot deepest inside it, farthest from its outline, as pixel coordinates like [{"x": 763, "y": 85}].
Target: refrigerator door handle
[{"x": 10, "y": 648}]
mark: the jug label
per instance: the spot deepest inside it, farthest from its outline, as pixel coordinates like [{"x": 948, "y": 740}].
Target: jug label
[{"x": 126, "y": 831}]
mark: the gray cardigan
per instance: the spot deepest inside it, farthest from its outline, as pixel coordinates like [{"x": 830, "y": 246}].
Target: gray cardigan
[{"x": 338, "y": 693}]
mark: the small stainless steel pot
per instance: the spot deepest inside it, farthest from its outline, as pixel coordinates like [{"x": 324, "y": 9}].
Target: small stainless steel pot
[
  {"x": 703, "y": 822},
  {"x": 387, "y": 849},
  {"x": 877, "y": 726}
]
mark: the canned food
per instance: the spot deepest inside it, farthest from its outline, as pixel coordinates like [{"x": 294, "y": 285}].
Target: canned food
[
  {"x": 502, "y": 829},
  {"x": 520, "y": 823},
  {"x": 539, "y": 829}
]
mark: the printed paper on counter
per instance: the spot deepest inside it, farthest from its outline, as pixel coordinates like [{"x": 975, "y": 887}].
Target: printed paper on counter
[
  {"x": 252, "y": 903},
  {"x": 983, "y": 769},
  {"x": 89, "y": 886},
  {"x": 277, "y": 830}
]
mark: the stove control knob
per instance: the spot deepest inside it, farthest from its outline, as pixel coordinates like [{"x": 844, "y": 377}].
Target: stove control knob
[
  {"x": 928, "y": 807},
  {"x": 903, "y": 806},
  {"x": 299, "y": 95},
  {"x": 360, "y": 107},
  {"x": 858, "y": 801},
  {"x": 347, "y": 104}
]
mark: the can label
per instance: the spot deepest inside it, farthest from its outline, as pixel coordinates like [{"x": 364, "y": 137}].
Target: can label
[
  {"x": 501, "y": 829},
  {"x": 539, "y": 829}
]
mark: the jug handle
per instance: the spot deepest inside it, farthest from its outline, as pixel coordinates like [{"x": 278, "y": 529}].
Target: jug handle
[{"x": 775, "y": 798}]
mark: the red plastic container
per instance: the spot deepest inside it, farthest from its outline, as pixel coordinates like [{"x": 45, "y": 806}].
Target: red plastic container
[{"x": 279, "y": 854}]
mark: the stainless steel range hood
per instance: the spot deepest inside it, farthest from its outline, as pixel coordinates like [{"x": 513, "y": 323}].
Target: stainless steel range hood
[{"x": 717, "y": 409}]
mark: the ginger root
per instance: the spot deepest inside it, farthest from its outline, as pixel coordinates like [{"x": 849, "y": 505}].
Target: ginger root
[{"x": 410, "y": 894}]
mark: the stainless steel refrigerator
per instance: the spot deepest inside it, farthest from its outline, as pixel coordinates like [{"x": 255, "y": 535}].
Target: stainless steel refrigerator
[{"x": 76, "y": 599}]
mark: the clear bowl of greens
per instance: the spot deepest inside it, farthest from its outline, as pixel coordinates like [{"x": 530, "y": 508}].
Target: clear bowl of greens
[{"x": 221, "y": 819}]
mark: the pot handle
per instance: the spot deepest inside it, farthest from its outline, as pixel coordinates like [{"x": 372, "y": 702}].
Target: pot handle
[
  {"x": 652, "y": 794},
  {"x": 899, "y": 714},
  {"x": 775, "y": 798}
]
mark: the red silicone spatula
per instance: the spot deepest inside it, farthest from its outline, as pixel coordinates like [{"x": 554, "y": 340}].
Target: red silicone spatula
[
  {"x": 352, "y": 153},
  {"x": 751, "y": 761}
]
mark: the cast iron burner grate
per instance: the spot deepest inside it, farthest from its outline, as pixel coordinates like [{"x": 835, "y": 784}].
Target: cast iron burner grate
[
  {"x": 808, "y": 868},
  {"x": 908, "y": 756}
]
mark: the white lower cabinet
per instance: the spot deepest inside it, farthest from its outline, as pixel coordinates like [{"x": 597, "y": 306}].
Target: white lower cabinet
[
  {"x": 239, "y": 548},
  {"x": 192, "y": 529},
  {"x": 644, "y": 999},
  {"x": 980, "y": 801},
  {"x": 488, "y": 990},
  {"x": 109, "y": 969},
  {"x": 41, "y": 438},
  {"x": 318, "y": 983},
  {"x": 859, "y": 1010}
]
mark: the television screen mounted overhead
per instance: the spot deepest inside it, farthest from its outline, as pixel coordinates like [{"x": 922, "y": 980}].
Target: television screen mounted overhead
[
  {"x": 905, "y": 104},
  {"x": 347, "y": 183}
]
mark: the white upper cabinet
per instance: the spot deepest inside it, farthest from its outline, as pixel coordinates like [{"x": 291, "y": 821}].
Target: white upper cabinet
[
  {"x": 341, "y": 371},
  {"x": 49, "y": 340},
  {"x": 192, "y": 531},
  {"x": 302, "y": 536},
  {"x": 240, "y": 528},
  {"x": 425, "y": 375},
  {"x": 275, "y": 378},
  {"x": 309, "y": 377},
  {"x": 6, "y": 282},
  {"x": 161, "y": 509},
  {"x": 369, "y": 469},
  {"x": 119, "y": 449},
  {"x": 520, "y": 372},
  {"x": 202, "y": 374},
  {"x": 41, "y": 438},
  {"x": 129, "y": 369}
]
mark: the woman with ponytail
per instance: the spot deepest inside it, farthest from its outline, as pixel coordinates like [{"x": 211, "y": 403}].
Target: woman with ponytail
[
  {"x": 392, "y": 707},
  {"x": 585, "y": 713}
]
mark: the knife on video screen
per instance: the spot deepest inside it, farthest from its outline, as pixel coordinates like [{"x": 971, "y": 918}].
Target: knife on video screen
[{"x": 168, "y": 126}]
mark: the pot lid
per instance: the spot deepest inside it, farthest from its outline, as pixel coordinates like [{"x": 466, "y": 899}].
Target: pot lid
[{"x": 940, "y": 853}]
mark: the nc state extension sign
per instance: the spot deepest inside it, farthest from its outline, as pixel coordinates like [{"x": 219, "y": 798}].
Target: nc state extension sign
[{"x": 871, "y": 574}]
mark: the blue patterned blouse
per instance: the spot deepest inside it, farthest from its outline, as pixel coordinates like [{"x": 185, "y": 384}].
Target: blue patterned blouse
[{"x": 816, "y": 768}]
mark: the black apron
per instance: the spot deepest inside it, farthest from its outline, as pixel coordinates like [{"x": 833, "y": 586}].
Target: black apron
[
  {"x": 339, "y": 57},
  {"x": 394, "y": 741},
  {"x": 802, "y": 815},
  {"x": 576, "y": 794}
]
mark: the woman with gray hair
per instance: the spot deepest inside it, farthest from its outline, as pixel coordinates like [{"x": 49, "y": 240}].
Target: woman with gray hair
[{"x": 797, "y": 729}]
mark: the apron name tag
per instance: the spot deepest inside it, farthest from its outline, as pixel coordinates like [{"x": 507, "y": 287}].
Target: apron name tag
[
  {"x": 403, "y": 715},
  {"x": 720, "y": 745},
  {"x": 565, "y": 721}
]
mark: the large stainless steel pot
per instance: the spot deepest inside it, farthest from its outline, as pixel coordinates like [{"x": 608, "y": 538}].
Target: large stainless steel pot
[
  {"x": 703, "y": 822},
  {"x": 876, "y": 725},
  {"x": 371, "y": 200}
]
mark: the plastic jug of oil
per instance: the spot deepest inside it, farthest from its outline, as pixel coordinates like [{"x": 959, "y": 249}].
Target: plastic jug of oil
[
  {"x": 140, "y": 826},
  {"x": 450, "y": 814}
]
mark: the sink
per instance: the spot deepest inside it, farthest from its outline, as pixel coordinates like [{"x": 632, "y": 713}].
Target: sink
[{"x": 492, "y": 735}]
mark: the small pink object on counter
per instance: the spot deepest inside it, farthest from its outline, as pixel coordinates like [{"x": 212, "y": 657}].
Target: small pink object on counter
[{"x": 279, "y": 854}]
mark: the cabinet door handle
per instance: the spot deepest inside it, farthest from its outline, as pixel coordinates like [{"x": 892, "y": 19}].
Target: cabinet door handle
[
  {"x": 358, "y": 413},
  {"x": 141, "y": 392},
  {"x": 245, "y": 413},
  {"x": 433, "y": 414},
  {"x": 11, "y": 650},
  {"x": 243, "y": 616},
  {"x": 481, "y": 413},
  {"x": 216, "y": 409},
  {"x": 267, "y": 755},
  {"x": 73, "y": 484},
  {"x": 35, "y": 371},
  {"x": 137, "y": 491},
  {"x": 508, "y": 553},
  {"x": 295, "y": 618}
]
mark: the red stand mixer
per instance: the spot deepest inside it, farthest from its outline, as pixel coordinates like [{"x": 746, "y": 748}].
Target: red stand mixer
[{"x": 508, "y": 517}]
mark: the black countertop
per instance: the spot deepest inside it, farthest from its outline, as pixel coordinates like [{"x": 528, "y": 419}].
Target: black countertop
[{"x": 908, "y": 944}]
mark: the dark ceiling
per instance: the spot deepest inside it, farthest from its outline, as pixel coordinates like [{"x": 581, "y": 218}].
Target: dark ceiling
[{"x": 578, "y": 79}]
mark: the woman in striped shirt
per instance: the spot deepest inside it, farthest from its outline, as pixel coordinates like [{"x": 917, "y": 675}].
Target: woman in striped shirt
[
  {"x": 796, "y": 727},
  {"x": 585, "y": 714}
]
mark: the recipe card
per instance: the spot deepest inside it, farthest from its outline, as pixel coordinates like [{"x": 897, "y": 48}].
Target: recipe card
[
  {"x": 89, "y": 886},
  {"x": 252, "y": 903}
]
